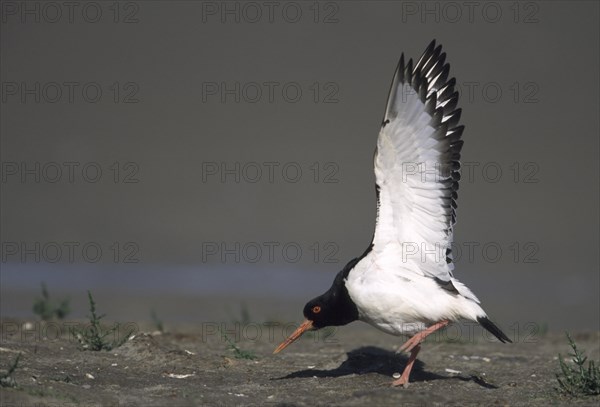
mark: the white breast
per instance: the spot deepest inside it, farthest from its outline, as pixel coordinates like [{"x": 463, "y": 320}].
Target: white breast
[{"x": 398, "y": 301}]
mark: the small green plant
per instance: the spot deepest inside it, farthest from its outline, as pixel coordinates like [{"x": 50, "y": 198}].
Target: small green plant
[
  {"x": 578, "y": 380},
  {"x": 92, "y": 337},
  {"x": 237, "y": 352},
  {"x": 6, "y": 380},
  {"x": 48, "y": 310},
  {"x": 157, "y": 322}
]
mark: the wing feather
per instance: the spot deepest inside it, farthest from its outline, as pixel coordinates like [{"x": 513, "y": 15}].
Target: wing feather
[{"x": 417, "y": 167}]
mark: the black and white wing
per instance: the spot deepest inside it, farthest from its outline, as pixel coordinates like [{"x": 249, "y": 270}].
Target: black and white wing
[{"x": 417, "y": 169}]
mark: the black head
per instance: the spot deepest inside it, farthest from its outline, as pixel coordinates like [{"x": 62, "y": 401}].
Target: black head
[{"x": 333, "y": 308}]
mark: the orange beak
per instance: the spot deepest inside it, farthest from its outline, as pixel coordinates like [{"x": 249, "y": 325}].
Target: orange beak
[{"x": 306, "y": 326}]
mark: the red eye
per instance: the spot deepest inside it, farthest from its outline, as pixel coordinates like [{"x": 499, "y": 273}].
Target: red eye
[{"x": 316, "y": 309}]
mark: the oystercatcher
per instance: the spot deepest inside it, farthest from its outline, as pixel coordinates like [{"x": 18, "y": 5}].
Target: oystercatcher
[{"x": 403, "y": 283}]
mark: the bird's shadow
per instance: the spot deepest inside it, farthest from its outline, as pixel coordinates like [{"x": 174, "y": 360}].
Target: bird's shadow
[{"x": 371, "y": 359}]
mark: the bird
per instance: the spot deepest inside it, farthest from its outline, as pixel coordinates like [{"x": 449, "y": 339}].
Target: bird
[{"x": 403, "y": 283}]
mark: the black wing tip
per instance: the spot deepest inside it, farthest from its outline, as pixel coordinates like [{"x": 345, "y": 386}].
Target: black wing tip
[
  {"x": 426, "y": 54},
  {"x": 493, "y": 329},
  {"x": 416, "y": 73},
  {"x": 408, "y": 71},
  {"x": 428, "y": 77},
  {"x": 430, "y": 47},
  {"x": 400, "y": 68}
]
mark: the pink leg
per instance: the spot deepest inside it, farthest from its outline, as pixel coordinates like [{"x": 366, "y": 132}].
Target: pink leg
[
  {"x": 420, "y": 336},
  {"x": 403, "y": 380},
  {"x": 414, "y": 346}
]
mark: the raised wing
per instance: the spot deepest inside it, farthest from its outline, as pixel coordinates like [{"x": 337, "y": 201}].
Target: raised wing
[{"x": 417, "y": 167}]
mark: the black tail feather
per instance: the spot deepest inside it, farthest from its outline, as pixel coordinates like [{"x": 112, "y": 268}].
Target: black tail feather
[{"x": 492, "y": 328}]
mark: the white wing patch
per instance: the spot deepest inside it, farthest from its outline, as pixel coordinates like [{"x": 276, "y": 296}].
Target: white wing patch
[{"x": 417, "y": 171}]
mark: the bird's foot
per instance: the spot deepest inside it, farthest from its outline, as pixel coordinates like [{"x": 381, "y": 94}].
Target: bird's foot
[{"x": 402, "y": 381}]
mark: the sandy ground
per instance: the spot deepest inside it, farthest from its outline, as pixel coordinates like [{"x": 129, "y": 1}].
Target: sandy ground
[{"x": 353, "y": 366}]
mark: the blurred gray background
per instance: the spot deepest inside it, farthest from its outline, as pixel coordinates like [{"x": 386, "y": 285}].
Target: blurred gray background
[{"x": 192, "y": 156}]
